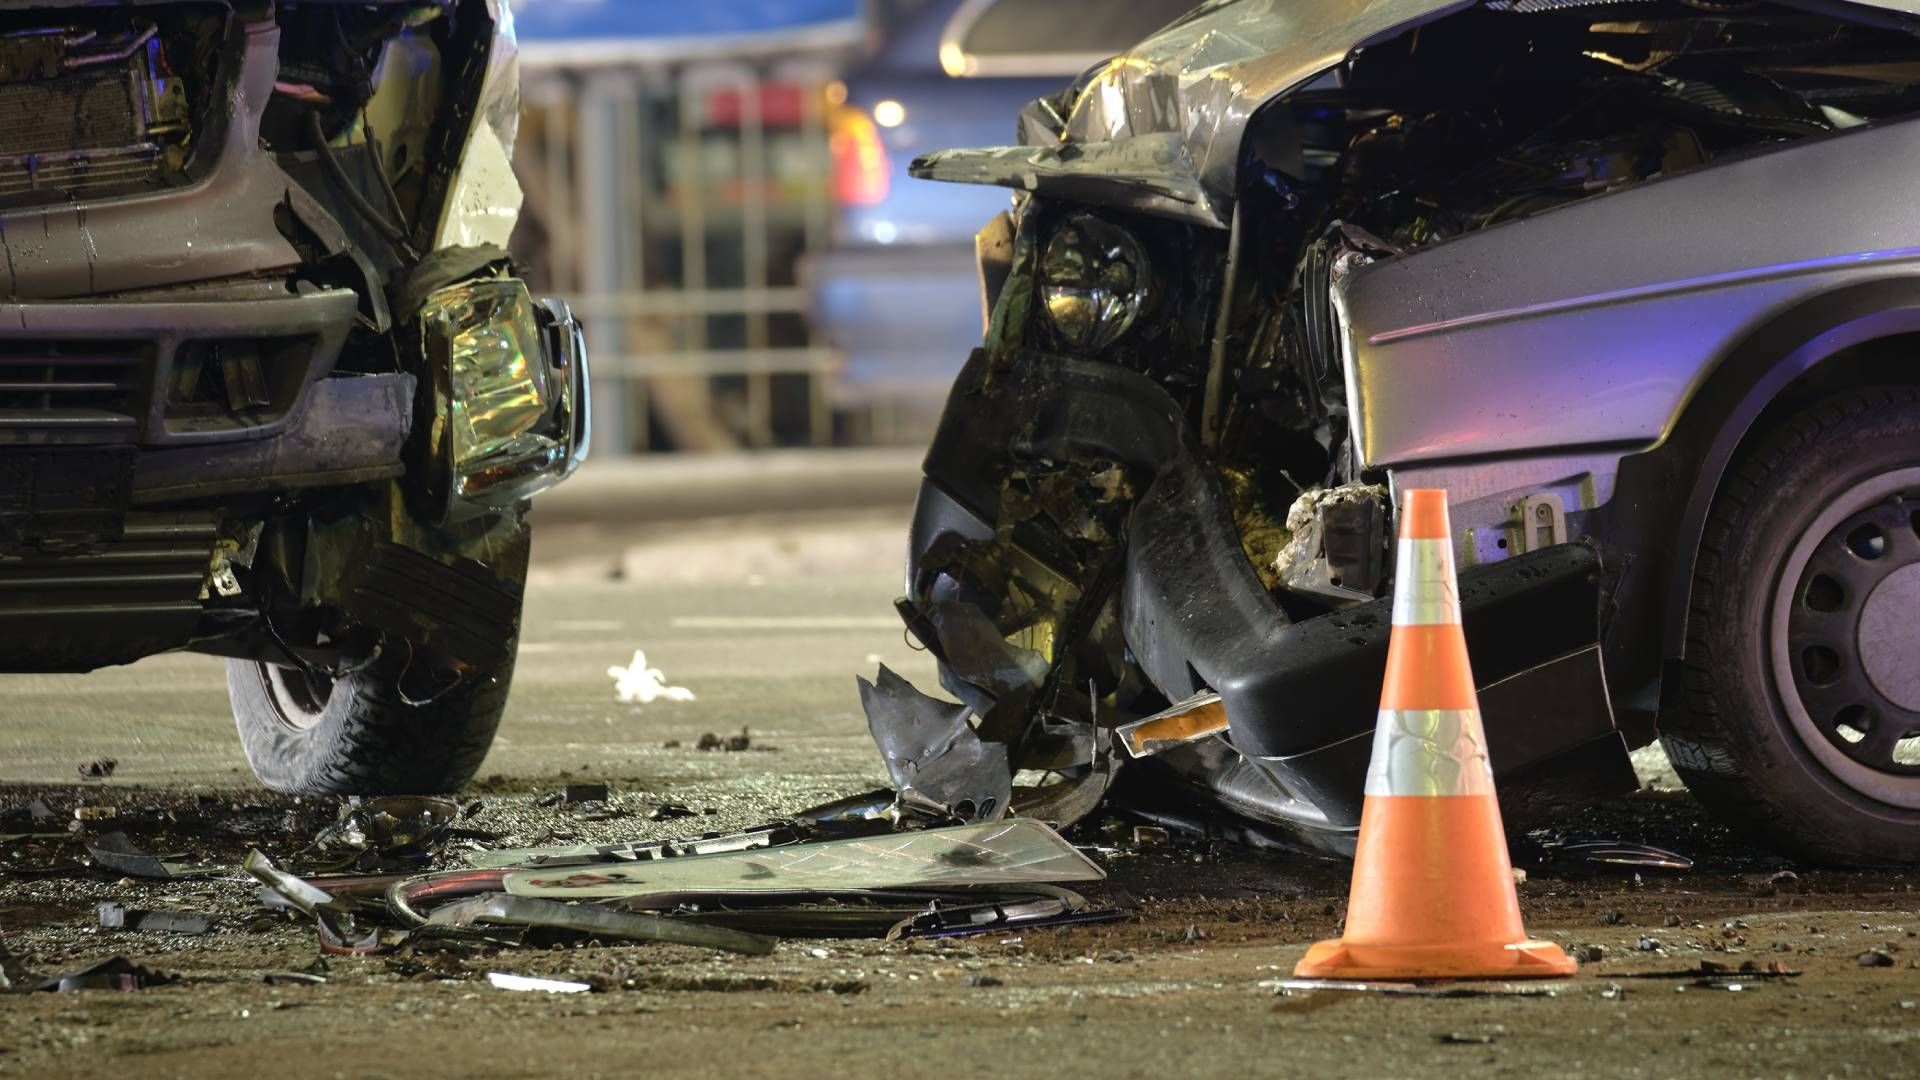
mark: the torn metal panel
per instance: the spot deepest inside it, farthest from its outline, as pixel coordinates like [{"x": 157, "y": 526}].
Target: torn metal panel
[
  {"x": 501, "y": 909},
  {"x": 306, "y": 898},
  {"x": 115, "y": 852},
  {"x": 1162, "y": 127},
  {"x": 115, "y": 916},
  {"x": 333, "y": 917},
  {"x": 1002, "y": 853},
  {"x": 483, "y": 201},
  {"x": 1148, "y": 173},
  {"x": 933, "y": 753},
  {"x": 633, "y": 850}
]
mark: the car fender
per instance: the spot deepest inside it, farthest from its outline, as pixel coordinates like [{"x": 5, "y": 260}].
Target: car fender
[{"x": 1720, "y": 416}]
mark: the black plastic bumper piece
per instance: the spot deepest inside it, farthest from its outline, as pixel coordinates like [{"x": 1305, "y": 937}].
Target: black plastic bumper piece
[
  {"x": 348, "y": 429},
  {"x": 1301, "y": 697}
]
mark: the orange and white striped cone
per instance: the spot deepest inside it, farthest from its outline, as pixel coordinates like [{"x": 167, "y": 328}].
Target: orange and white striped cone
[{"x": 1432, "y": 894}]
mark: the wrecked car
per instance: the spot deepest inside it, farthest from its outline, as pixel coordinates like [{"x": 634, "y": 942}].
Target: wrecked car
[
  {"x": 269, "y": 387},
  {"x": 1632, "y": 281}
]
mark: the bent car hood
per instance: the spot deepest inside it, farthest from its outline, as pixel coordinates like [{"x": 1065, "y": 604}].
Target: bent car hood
[{"x": 1159, "y": 127}]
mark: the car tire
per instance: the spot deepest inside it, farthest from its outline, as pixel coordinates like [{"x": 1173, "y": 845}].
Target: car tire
[
  {"x": 1799, "y": 717},
  {"x": 370, "y": 732}
]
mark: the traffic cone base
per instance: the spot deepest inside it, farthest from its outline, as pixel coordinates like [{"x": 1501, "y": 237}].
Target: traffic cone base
[
  {"x": 1520, "y": 960},
  {"x": 1433, "y": 893}
]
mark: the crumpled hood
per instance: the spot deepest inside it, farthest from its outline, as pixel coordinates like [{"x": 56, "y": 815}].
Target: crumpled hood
[{"x": 1159, "y": 127}]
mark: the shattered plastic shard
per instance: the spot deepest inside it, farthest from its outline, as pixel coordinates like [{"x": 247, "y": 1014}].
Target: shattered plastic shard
[
  {"x": 638, "y": 684},
  {"x": 1003, "y": 853},
  {"x": 113, "y": 851},
  {"x": 933, "y": 754},
  {"x": 309, "y": 899},
  {"x": 578, "y": 854},
  {"x": 527, "y": 982},
  {"x": 500, "y": 909}
]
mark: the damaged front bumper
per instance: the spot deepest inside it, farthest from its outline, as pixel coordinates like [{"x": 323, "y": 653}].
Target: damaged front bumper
[{"x": 1300, "y": 697}]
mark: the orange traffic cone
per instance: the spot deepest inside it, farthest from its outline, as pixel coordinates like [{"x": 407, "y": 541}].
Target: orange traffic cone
[{"x": 1432, "y": 894}]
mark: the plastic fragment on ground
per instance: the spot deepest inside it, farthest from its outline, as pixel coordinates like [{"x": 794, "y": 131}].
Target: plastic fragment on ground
[
  {"x": 115, "y": 916},
  {"x": 1013, "y": 852},
  {"x": 113, "y": 851},
  {"x": 500, "y": 909},
  {"x": 504, "y": 981}
]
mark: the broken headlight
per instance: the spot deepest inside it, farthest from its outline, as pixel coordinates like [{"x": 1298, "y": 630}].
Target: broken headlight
[
  {"x": 511, "y": 392},
  {"x": 1093, "y": 280}
]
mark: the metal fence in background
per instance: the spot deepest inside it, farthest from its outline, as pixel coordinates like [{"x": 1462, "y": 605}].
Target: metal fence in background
[{"x": 672, "y": 204}]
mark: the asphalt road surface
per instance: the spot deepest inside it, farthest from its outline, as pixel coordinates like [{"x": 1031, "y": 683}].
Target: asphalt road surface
[{"x": 767, "y": 622}]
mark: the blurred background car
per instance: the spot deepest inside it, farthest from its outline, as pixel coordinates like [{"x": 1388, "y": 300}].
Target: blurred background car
[
  {"x": 896, "y": 296},
  {"x": 722, "y": 190}
]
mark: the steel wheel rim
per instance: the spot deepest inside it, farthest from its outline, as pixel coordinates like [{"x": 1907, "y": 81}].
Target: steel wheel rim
[
  {"x": 1853, "y": 703},
  {"x": 299, "y": 699}
]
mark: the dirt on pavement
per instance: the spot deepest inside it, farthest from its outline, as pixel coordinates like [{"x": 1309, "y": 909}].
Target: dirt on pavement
[{"x": 1189, "y": 984}]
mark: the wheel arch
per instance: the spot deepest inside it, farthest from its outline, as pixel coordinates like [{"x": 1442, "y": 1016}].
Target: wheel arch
[{"x": 1858, "y": 335}]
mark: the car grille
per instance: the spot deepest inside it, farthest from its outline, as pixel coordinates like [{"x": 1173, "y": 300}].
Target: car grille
[
  {"x": 80, "y": 387},
  {"x": 110, "y": 601}
]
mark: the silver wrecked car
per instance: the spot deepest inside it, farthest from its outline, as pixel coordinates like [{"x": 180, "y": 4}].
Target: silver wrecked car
[
  {"x": 1635, "y": 282},
  {"x": 269, "y": 388}
]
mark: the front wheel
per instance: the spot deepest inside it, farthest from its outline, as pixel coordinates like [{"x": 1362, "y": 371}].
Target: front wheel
[
  {"x": 1801, "y": 712},
  {"x": 381, "y": 729}
]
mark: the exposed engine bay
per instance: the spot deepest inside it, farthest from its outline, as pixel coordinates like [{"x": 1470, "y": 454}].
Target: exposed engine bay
[{"x": 1137, "y": 363}]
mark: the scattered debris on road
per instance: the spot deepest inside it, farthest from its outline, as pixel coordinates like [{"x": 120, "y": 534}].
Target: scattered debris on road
[
  {"x": 936, "y": 760},
  {"x": 730, "y": 743},
  {"x": 1462, "y": 1038},
  {"x": 1004, "y": 853},
  {"x": 116, "y": 973},
  {"x": 501, "y": 909},
  {"x": 120, "y": 917},
  {"x": 576, "y": 794},
  {"x": 113, "y": 851},
  {"x": 392, "y": 832},
  {"x": 505, "y": 981},
  {"x": 98, "y": 769}
]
